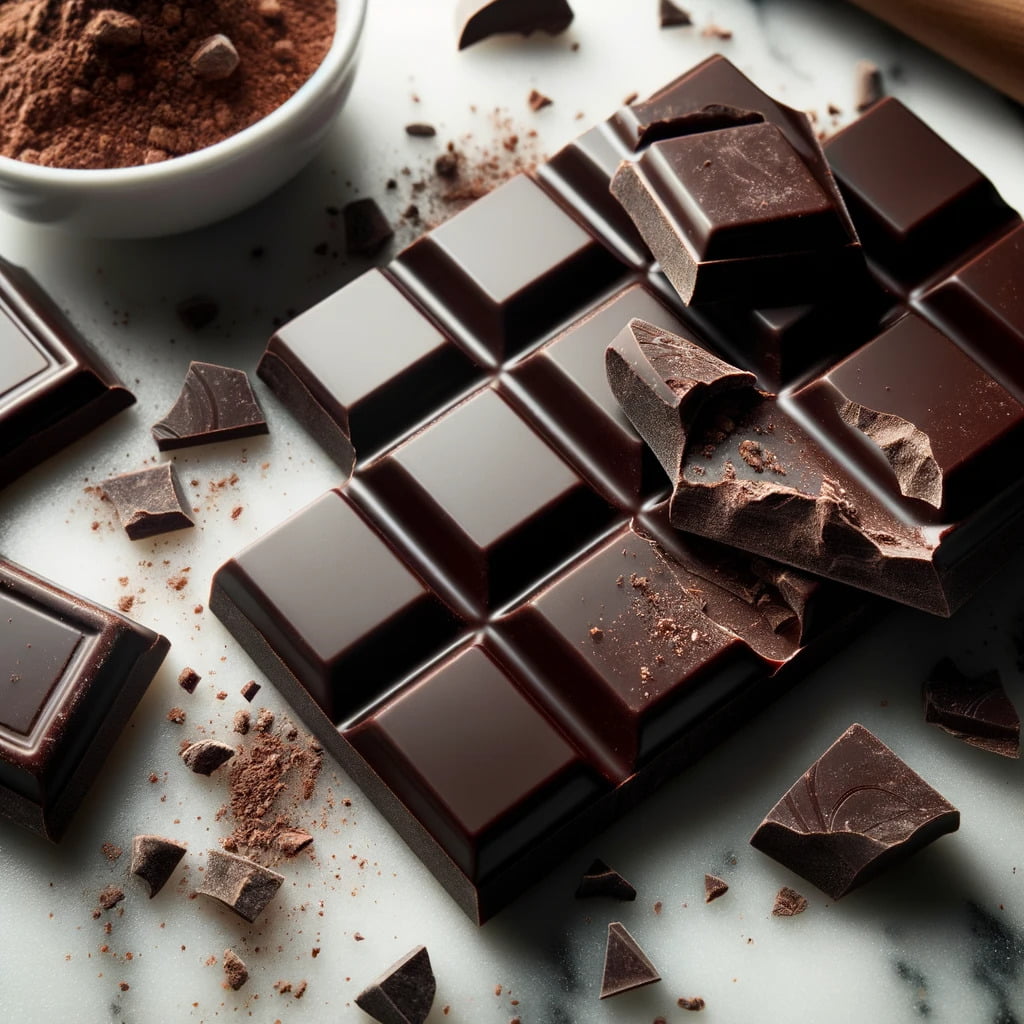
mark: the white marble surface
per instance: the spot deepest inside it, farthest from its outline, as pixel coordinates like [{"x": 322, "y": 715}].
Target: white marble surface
[{"x": 941, "y": 937}]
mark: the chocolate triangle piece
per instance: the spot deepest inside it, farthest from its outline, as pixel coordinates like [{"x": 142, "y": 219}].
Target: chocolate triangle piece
[
  {"x": 714, "y": 887},
  {"x": 626, "y": 965},
  {"x": 788, "y": 903},
  {"x": 855, "y": 811},
  {"x": 601, "y": 880},
  {"x": 975, "y": 710},
  {"x": 404, "y": 993},
  {"x": 154, "y": 860},
  {"x": 216, "y": 403},
  {"x": 671, "y": 15}
]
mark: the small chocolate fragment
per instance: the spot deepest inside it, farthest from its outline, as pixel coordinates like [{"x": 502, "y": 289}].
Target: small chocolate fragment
[
  {"x": 419, "y": 130},
  {"x": 215, "y": 59},
  {"x": 788, "y": 903},
  {"x": 974, "y": 709},
  {"x": 870, "y": 87},
  {"x": 404, "y": 993},
  {"x": 671, "y": 15},
  {"x": 538, "y": 101},
  {"x": 601, "y": 880},
  {"x": 475, "y": 20},
  {"x": 293, "y": 841},
  {"x": 241, "y": 884},
  {"x": 206, "y": 756},
  {"x": 366, "y": 228},
  {"x": 235, "y": 972},
  {"x": 110, "y": 897},
  {"x": 189, "y": 680},
  {"x": 714, "y": 887},
  {"x": 855, "y": 811},
  {"x": 241, "y": 722},
  {"x": 626, "y": 965},
  {"x": 690, "y": 1003},
  {"x": 216, "y": 403},
  {"x": 148, "y": 502},
  {"x": 250, "y": 690},
  {"x": 114, "y": 30},
  {"x": 154, "y": 859}
]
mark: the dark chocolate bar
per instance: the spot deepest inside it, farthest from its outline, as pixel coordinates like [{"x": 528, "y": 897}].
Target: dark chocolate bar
[
  {"x": 891, "y": 466},
  {"x": 71, "y": 673},
  {"x": 498, "y": 575},
  {"x": 53, "y": 388}
]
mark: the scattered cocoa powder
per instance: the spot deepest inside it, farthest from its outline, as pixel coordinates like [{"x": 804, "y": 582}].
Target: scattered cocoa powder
[{"x": 117, "y": 83}]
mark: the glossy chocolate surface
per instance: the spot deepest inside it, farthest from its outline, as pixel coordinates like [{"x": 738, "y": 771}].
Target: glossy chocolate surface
[
  {"x": 509, "y": 642},
  {"x": 71, "y": 672},
  {"x": 53, "y": 389}
]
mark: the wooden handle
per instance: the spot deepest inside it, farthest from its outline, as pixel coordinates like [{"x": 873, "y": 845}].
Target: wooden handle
[{"x": 984, "y": 36}]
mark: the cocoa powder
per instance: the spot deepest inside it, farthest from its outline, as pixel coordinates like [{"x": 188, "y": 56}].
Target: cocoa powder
[{"x": 116, "y": 83}]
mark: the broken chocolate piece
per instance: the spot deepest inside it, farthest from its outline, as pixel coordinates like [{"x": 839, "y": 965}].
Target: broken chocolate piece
[
  {"x": 206, "y": 756},
  {"x": 293, "y": 841},
  {"x": 974, "y": 709},
  {"x": 475, "y": 20},
  {"x": 538, "y": 101},
  {"x": 216, "y": 404},
  {"x": 714, "y": 887},
  {"x": 236, "y": 974},
  {"x": 601, "y": 880},
  {"x": 241, "y": 884},
  {"x": 188, "y": 680},
  {"x": 788, "y": 903},
  {"x": 404, "y": 993},
  {"x": 856, "y": 810},
  {"x": 671, "y": 15},
  {"x": 250, "y": 690},
  {"x": 148, "y": 502},
  {"x": 694, "y": 1003},
  {"x": 626, "y": 965},
  {"x": 366, "y": 228},
  {"x": 154, "y": 860}
]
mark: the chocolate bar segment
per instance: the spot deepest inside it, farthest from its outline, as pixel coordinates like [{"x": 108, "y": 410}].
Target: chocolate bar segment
[
  {"x": 71, "y": 673},
  {"x": 53, "y": 389}
]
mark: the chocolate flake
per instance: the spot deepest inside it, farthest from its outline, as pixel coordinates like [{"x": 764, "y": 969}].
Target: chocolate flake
[
  {"x": 601, "y": 880},
  {"x": 110, "y": 897},
  {"x": 626, "y": 965},
  {"x": 855, "y": 811},
  {"x": 241, "y": 884},
  {"x": 207, "y": 756},
  {"x": 154, "y": 859},
  {"x": 148, "y": 502},
  {"x": 293, "y": 841},
  {"x": 974, "y": 709},
  {"x": 419, "y": 130},
  {"x": 477, "y": 21},
  {"x": 216, "y": 403},
  {"x": 714, "y": 887},
  {"x": 235, "y": 972},
  {"x": 788, "y": 903},
  {"x": 405, "y": 992}
]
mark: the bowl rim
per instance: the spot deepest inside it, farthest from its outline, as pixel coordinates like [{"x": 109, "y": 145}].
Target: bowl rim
[{"x": 348, "y": 29}]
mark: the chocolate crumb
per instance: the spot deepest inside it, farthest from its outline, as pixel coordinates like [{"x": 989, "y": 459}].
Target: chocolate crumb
[
  {"x": 111, "y": 851},
  {"x": 293, "y": 841},
  {"x": 788, "y": 903},
  {"x": 419, "y": 130},
  {"x": 176, "y": 715},
  {"x": 125, "y": 602},
  {"x": 235, "y": 972},
  {"x": 264, "y": 720},
  {"x": 694, "y": 1003},
  {"x": 714, "y": 887},
  {"x": 538, "y": 101},
  {"x": 240, "y": 723},
  {"x": 713, "y": 31},
  {"x": 596, "y": 632},
  {"x": 189, "y": 680},
  {"x": 110, "y": 897},
  {"x": 206, "y": 756},
  {"x": 250, "y": 690},
  {"x": 221, "y": 695}
]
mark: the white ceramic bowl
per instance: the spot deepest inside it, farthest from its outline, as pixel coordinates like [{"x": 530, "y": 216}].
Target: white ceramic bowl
[{"x": 202, "y": 187}]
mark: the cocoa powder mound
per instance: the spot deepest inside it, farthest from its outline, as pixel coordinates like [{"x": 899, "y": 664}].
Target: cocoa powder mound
[{"x": 116, "y": 83}]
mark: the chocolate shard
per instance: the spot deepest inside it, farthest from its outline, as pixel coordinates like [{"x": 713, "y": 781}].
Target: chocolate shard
[
  {"x": 236, "y": 974},
  {"x": 475, "y": 20},
  {"x": 148, "y": 502},
  {"x": 154, "y": 860},
  {"x": 735, "y": 213},
  {"x": 856, "y": 810},
  {"x": 241, "y": 884},
  {"x": 206, "y": 756},
  {"x": 293, "y": 841},
  {"x": 216, "y": 403},
  {"x": 626, "y": 965},
  {"x": 404, "y": 993},
  {"x": 788, "y": 903},
  {"x": 671, "y": 15},
  {"x": 601, "y": 880},
  {"x": 714, "y": 887},
  {"x": 974, "y": 709}
]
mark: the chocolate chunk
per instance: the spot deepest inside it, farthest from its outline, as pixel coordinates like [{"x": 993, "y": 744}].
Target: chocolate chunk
[
  {"x": 188, "y": 680},
  {"x": 974, "y": 709},
  {"x": 475, "y": 20},
  {"x": 236, "y": 974},
  {"x": 109, "y": 897},
  {"x": 215, "y": 59},
  {"x": 216, "y": 404},
  {"x": 601, "y": 880},
  {"x": 250, "y": 690},
  {"x": 115, "y": 30},
  {"x": 53, "y": 389},
  {"x": 366, "y": 228},
  {"x": 404, "y": 993},
  {"x": 154, "y": 860},
  {"x": 206, "y": 756},
  {"x": 714, "y": 887},
  {"x": 694, "y": 1003},
  {"x": 788, "y": 903},
  {"x": 671, "y": 15},
  {"x": 71, "y": 673},
  {"x": 855, "y": 811},
  {"x": 241, "y": 884},
  {"x": 241, "y": 722},
  {"x": 148, "y": 502},
  {"x": 293, "y": 841},
  {"x": 420, "y": 130},
  {"x": 538, "y": 101},
  {"x": 626, "y": 965}
]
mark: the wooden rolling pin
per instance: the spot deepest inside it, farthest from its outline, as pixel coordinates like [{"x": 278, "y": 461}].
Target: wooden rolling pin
[{"x": 984, "y": 36}]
